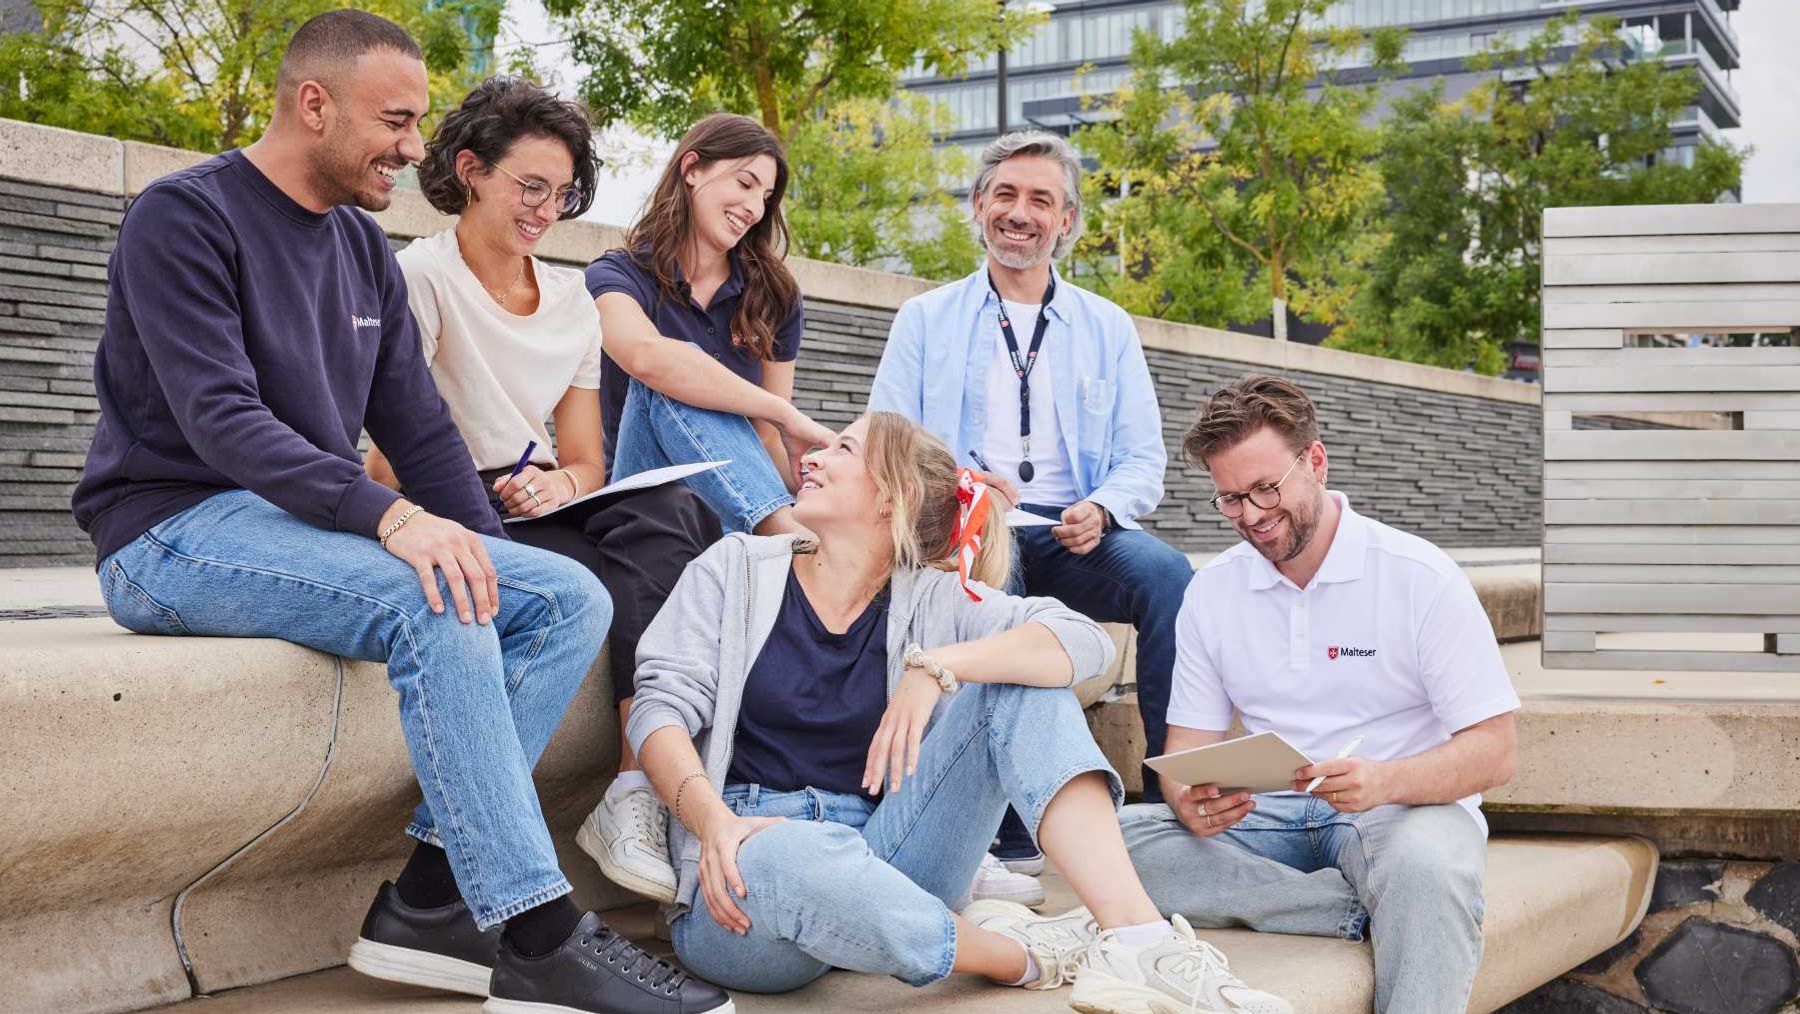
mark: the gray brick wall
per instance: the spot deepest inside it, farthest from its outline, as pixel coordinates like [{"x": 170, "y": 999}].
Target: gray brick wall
[{"x": 1458, "y": 470}]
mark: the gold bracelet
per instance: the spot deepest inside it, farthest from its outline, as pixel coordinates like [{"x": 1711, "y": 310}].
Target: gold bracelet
[
  {"x": 679, "y": 789},
  {"x": 399, "y": 522}
]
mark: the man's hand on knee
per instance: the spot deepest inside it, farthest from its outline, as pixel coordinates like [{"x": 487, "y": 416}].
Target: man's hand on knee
[
  {"x": 429, "y": 544},
  {"x": 1081, "y": 528}
]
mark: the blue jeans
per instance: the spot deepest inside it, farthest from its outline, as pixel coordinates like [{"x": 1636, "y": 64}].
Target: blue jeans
[
  {"x": 656, "y": 430},
  {"x": 1408, "y": 875},
  {"x": 477, "y": 702},
  {"x": 847, "y": 883},
  {"x": 1130, "y": 577}
]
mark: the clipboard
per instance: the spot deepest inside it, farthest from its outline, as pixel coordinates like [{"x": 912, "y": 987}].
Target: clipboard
[{"x": 1261, "y": 763}]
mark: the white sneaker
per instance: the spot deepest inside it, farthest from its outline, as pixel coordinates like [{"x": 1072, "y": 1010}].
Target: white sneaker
[
  {"x": 630, "y": 840},
  {"x": 997, "y": 883},
  {"x": 1058, "y": 943},
  {"x": 1181, "y": 974}
]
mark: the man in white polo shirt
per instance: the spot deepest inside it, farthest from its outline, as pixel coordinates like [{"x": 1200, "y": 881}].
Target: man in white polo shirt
[{"x": 1326, "y": 626}]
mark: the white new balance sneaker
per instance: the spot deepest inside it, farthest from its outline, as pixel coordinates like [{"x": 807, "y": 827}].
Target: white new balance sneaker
[
  {"x": 994, "y": 882},
  {"x": 1058, "y": 943},
  {"x": 630, "y": 840},
  {"x": 1180, "y": 974}
]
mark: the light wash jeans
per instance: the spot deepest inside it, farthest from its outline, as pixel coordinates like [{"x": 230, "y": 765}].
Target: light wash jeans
[
  {"x": 846, "y": 883},
  {"x": 1408, "y": 875},
  {"x": 477, "y": 702},
  {"x": 656, "y": 430}
]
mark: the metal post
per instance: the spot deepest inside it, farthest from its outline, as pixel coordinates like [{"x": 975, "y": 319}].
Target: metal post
[{"x": 1000, "y": 77}]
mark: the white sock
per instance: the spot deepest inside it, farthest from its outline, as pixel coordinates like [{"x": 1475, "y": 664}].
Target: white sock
[
  {"x": 1143, "y": 934},
  {"x": 1032, "y": 971},
  {"x": 626, "y": 781}
]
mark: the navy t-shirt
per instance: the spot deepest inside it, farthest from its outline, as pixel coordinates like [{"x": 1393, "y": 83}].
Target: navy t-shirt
[
  {"x": 813, "y": 700},
  {"x": 708, "y": 327},
  {"x": 248, "y": 341}
]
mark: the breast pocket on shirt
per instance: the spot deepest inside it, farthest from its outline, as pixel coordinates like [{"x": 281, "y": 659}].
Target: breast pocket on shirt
[{"x": 1097, "y": 395}]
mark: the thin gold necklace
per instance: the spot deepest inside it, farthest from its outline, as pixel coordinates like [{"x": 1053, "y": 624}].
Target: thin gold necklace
[{"x": 502, "y": 297}]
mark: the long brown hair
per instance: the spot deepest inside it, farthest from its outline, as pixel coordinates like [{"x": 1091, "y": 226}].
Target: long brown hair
[
  {"x": 918, "y": 475},
  {"x": 770, "y": 292}
]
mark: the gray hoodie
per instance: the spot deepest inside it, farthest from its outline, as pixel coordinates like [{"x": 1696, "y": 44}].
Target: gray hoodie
[{"x": 696, "y": 655}]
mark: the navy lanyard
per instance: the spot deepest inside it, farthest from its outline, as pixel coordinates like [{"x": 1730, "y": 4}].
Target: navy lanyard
[{"x": 1022, "y": 367}]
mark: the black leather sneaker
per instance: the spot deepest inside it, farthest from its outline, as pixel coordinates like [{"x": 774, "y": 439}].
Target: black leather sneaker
[
  {"x": 597, "y": 971},
  {"x": 439, "y": 948}
]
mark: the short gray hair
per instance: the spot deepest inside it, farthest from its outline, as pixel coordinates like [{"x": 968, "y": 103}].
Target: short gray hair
[{"x": 1042, "y": 145}]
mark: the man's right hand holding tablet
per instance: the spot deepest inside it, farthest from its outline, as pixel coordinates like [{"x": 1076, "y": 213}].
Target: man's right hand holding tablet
[{"x": 1203, "y": 809}]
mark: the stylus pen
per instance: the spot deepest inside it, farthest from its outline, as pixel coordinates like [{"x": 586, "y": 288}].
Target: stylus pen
[{"x": 1355, "y": 741}]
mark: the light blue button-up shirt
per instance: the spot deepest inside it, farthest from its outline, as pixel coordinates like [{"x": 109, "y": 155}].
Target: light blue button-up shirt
[{"x": 934, "y": 372}]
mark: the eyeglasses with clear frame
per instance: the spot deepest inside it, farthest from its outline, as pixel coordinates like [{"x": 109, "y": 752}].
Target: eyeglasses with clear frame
[
  {"x": 1265, "y": 495},
  {"x": 533, "y": 193}
]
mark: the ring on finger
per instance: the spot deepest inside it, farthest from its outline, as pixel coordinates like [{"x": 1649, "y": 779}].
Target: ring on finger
[{"x": 530, "y": 490}]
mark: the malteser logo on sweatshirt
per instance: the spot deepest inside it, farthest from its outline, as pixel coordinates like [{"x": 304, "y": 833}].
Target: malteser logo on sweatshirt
[
  {"x": 1335, "y": 650},
  {"x": 356, "y": 321}
]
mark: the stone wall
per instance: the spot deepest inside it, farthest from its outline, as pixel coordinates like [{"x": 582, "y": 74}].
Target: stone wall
[
  {"x": 1720, "y": 938},
  {"x": 1449, "y": 456}
]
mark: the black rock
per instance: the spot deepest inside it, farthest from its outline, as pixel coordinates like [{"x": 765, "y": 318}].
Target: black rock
[
  {"x": 1705, "y": 967},
  {"x": 1777, "y": 896},
  {"x": 1566, "y": 996},
  {"x": 1686, "y": 882},
  {"x": 1605, "y": 959}
]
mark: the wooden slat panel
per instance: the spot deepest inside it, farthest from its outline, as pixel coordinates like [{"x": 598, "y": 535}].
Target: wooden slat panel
[
  {"x": 1620, "y": 553},
  {"x": 1681, "y": 489},
  {"x": 1622, "y": 573},
  {"x": 1701, "y": 445},
  {"x": 1554, "y": 420},
  {"x": 1698, "y": 661},
  {"x": 1652, "y": 376},
  {"x": 1648, "y": 272},
  {"x": 1661, "y": 470},
  {"x": 1696, "y": 243},
  {"x": 1632, "y": 359},
  {"x": 1744, "y": 316},
  {"x": 1667, "y": 401},
  {"x": 1672, "y": 512},
  {"x": 1785, "y": 644},
  {"x": 1764, "y": 419},
  {"x": 1671, "y": 535},
  {"x": 1584, "y": 339},
  {"x": 1670, "y": 220},
  {"x": 1568, "y": 640},
  {"x": 1696, "y": 599},
  {"x": 1625, "y": 623}
]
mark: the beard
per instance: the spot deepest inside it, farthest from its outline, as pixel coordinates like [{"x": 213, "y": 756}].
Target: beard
[
  {"x": 1010, "y": 255},
  {"x": 1302, "y": 524},
  {"x": 342, "y": 174}
]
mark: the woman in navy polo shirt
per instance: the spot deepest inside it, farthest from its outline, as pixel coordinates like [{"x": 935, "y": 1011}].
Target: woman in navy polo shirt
[{"x": 703, "y": 266}]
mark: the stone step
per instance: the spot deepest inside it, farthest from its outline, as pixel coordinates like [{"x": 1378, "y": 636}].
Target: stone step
[{"x": 1552, "y": 903}]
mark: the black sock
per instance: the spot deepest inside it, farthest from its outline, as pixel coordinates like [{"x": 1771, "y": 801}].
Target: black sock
[
  {"x": 536, "y": 932},
  {"x": 427, "y": 882}
]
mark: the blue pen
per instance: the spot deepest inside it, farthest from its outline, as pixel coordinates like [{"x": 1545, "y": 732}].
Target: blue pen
[
  {"x": 524, "y": 459},
  {"x": 979, "y": 460}
]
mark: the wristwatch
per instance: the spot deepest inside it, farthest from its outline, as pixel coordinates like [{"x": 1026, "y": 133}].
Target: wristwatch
[{"x": 916, "y": 658}]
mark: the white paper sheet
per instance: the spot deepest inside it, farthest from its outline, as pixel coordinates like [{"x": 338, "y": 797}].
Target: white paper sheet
[
  {"x": 1017, "y": 518},
  {"x": 642, "y": 480}
]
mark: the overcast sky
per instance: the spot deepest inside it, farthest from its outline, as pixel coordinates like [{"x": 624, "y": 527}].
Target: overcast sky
[{"x": 1767, "y": 83}]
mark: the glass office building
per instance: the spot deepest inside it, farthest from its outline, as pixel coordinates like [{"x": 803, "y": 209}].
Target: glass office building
[{"x": 1083, "y": 49}]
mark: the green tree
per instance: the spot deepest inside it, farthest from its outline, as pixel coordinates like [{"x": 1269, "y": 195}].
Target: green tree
[
  {"x": 198, "y": 76},
  {"x": 1254, "y": 134},
  {"x": 869, "y": 189},
  {"x": 1468, "y": 182}
]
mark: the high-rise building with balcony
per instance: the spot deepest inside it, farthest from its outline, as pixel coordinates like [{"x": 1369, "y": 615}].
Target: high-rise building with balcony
[{"x": 1043, "y": 82}]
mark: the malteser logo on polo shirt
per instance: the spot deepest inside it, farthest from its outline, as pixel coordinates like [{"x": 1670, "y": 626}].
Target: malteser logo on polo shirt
[
  {"x": 356, "y": 321},
  {"x": 1335, "y": 650}
]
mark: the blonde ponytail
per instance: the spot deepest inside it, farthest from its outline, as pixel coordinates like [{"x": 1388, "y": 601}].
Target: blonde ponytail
[{"x": 918, "y": 475}]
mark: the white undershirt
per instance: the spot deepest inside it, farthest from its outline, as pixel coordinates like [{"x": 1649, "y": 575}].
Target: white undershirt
[{"x": 1053, "y": 482}]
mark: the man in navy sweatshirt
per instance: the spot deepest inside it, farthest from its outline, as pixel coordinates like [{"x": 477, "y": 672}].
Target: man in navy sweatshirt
[{"x": 255, "y": 324}]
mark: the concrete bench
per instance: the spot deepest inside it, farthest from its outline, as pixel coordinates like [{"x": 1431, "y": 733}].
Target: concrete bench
[{"x": 249, "y": 793}]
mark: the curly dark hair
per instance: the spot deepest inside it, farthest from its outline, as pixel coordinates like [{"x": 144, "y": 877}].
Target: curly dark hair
[
  {"x": 495, "y": 115},
  {"x": 1239, "y": 410}
]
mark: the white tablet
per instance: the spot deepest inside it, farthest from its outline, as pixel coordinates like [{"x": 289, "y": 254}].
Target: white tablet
[{"x": 1261, "y": 763}]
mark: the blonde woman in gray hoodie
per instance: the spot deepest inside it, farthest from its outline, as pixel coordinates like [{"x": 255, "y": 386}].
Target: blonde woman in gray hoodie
[{"x": 837, "y": 724}]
